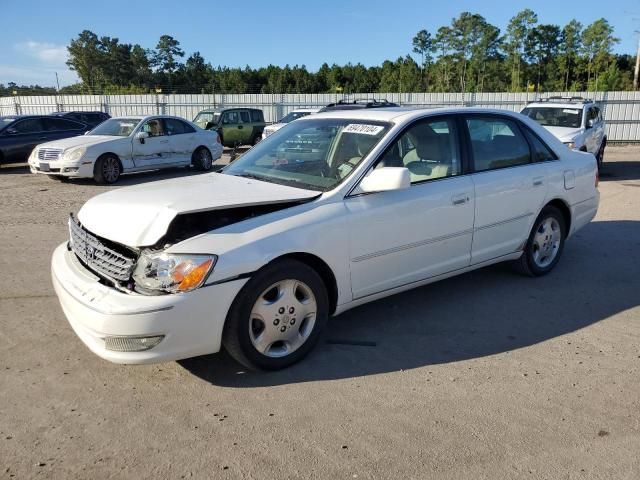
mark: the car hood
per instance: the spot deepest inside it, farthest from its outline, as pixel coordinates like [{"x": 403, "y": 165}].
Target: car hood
[
  {"x": 140, "y": 215},
  {"x": 81, "y": 141},
  {"x": 564, "y": 134}
]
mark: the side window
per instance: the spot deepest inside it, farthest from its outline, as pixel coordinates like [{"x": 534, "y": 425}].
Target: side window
[
  {"x": 244, "y": 116},
  {"x": 428, "y": 149},
  {"x": 61, "y": 124},
  {"x": 541, "y": 153},
  {"x": 154, "y": 128},
  {"x": 30, "y": 125},
  {"x": 496, "y": 143},
  {"x": 174, "y": 127},
  {"x": 230, "y": 118},
  {"x": 256, "y": 116}
]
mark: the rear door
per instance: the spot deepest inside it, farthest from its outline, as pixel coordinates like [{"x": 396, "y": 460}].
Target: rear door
[
  {"x": 182, "y": 139},
  {"x": 246, "y": 127},
  {"x": 510, "y": 186}
]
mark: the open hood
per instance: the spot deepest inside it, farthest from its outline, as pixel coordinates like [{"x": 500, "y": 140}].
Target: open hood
[{"x": 139, "y": 216}]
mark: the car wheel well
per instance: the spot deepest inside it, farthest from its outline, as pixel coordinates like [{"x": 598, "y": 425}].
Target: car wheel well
[
  {"x": 107, "y": 154},
  {"x": 322, "y": 269},
  {"x": 564, "y": 209}
]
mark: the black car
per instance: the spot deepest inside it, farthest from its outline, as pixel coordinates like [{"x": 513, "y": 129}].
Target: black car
[
  {"x": 19, "y": 134},
  {"x": 93, "y": 119},
  {"x": 358, "y": 104}
]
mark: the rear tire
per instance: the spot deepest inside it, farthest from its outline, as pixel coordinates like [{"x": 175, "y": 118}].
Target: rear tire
[
  {"x": 277, "y": 317},
  {"x": 600, "y": 156},
  {"x": 544, "y": 245},
  {"x": 107, "y": 170},
  {"x": 202, "y": 159}
]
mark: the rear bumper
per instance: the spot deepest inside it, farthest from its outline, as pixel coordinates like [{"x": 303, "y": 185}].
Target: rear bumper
[
  {"x": 191, "y": 323},
  {"x": 583, "y": 212}
]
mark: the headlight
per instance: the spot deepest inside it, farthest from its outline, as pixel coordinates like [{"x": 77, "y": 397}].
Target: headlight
[
  {"x": 571, "y": 145},
  {"x": 73, "y": 155},
  {"x": 165, "y": 272}
]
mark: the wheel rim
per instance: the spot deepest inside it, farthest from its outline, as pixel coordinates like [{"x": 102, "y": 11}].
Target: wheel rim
[
  {"x": 205, "y": 159},
  {"x": 110, "y": 169},
  {"x": 282, "y": 318},
  {"x": 546, "y": 242}
]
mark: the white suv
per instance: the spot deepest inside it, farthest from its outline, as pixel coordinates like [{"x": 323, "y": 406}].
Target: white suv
[
  {"x": 575, "y": 121},
  {"x": 290, "y": 117}
]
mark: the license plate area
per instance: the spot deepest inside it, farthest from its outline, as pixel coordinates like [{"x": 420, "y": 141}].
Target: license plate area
[{"x": 44, "y": 167}]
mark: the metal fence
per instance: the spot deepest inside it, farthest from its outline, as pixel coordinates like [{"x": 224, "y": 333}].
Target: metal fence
[{"x": 621, "y": 109}]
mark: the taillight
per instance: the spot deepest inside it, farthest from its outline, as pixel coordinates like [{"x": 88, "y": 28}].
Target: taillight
[{"x": 218, "y": 139}]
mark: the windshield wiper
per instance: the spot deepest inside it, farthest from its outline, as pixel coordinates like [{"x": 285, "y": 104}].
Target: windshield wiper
[{"x": 249, "y": 175}]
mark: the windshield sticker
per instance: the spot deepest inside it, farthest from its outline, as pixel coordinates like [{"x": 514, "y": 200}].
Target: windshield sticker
[
  {"x": 570, "y": 110},
  {"x": 363, "y": 129}
]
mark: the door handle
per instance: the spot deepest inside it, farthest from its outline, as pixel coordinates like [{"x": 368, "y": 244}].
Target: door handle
[
  {"x": 42, "y": 138},
  {"x": 538, "y": 181},
  {"x": 164, "y": 141},
  {"x": 460, "y": 199}
]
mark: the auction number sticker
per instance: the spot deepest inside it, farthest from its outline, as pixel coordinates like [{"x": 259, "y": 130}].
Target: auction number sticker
[{"x": 363, "y": 129}]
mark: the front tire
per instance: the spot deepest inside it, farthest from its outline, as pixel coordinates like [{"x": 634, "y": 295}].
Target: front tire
[
  {"x": 277, "y": 317},
  {"x": 545, "y": 244},
  {"x": 202, "y": 159},
  {"x": 600, "y": 155},
  {"x": 107, "y": 170}
]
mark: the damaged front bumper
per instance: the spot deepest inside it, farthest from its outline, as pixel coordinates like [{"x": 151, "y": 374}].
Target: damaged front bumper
[{"x": 108, "y": 321}]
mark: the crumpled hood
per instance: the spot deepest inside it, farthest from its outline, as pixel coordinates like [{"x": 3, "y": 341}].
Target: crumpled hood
[
  {"x": 140, "y": 215},
  {"x": 81, "y": 141},
  {"x": 564, "y": 134}
]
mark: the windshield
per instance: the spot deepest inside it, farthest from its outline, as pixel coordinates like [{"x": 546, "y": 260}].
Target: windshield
[
  {"x": 555, "y": 116},
  {"x": 116, "y": 127},
  {"x": 293, "y": 116},
  {"x": 311, "y": 154},
  {"x": 206, "y": 117}
]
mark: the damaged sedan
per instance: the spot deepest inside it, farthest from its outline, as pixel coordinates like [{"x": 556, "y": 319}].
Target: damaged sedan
[{"x": 335, "y": 210}]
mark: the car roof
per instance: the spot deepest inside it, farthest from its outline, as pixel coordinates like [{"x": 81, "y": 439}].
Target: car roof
[
  {"x": 400, "y": 114},
  {"x": 60, "y": 114},
  {"x": 225, "y": 109}
]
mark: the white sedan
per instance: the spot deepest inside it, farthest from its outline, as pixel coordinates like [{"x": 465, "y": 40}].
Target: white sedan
[
  {"x": 127, "y": 144},
  {"x": 288, "y": 118},
  {"x": 336, "y": 210}
]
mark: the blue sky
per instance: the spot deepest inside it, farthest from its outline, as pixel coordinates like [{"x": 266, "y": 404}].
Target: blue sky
[{"x": 257, "y": 33}]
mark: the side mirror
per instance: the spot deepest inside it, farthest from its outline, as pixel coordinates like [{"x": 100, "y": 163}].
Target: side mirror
[
  {"x": 589, "y": 123},
  {"x": 141, "y": 136},
  {"x": 385, "y": 179},
  {"x": 209, "y": 125},
  {"x": 11, "y": 131}
]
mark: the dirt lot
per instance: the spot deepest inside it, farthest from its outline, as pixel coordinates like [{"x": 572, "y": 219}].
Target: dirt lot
[{"x": 488, "y": 375}]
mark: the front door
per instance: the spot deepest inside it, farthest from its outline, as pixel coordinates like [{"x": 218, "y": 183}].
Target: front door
[
  {"x": 155, "y": 151},
  {"x": 510, "y": 185},
  {"x": 401, "y": 237},
  {"x": 232, "y": 128}
]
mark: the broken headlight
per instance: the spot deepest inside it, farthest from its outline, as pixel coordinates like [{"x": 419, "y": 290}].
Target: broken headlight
[{"x": 158, "y": 272}]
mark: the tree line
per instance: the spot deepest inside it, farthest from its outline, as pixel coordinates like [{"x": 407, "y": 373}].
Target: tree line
[{"x": 469, "y": 55}]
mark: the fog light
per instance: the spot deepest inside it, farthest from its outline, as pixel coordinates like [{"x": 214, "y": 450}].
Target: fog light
[
  {"x": 131, "y": 344},
  {"x": 70, "y": 169}
]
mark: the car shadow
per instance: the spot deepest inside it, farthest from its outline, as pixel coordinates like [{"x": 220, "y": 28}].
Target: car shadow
[
  {"x": 617, "y": 171},
  {"x": 486, "y": 312}
]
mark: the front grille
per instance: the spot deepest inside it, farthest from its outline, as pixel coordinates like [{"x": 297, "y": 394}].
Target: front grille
[
  {"x": 49, "y": 154},
  {"x": 97, "y": 256}
]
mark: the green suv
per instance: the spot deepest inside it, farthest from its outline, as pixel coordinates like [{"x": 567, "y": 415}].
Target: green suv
[{"x": 235, "y": 126}]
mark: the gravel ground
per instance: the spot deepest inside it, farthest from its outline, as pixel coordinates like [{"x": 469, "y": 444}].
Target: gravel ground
[{"x": 487, "y": 375}]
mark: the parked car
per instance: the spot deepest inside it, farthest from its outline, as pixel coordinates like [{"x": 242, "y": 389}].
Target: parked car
[
  {"x": 20, "y": 133},
  {"x": 576, "y": 121},
  {"x": 235, "y": 126},
  {"x": 93, "y": 119},
  {"x": 289, "y": 117},
  {"x": 256, "y": 258},
  {"x": 127, "y": 144},
  {"x": 358, "y": 104}
]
